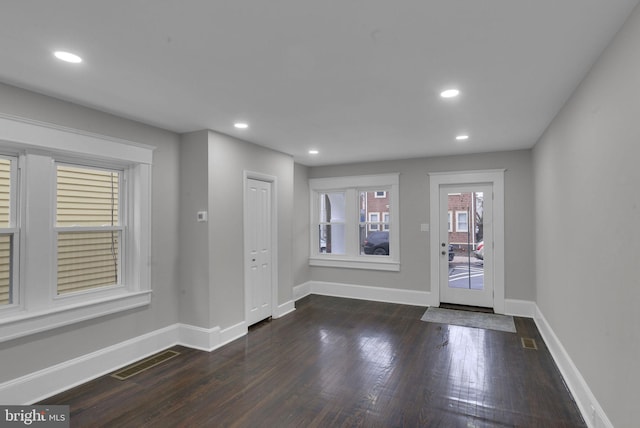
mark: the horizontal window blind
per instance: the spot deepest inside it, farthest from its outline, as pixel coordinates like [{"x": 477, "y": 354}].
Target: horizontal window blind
[
  {"x": 5, "y": 269},
  {"x": 5, "y": 191},
  {"x": 87, "y": 198},
  {"x": 87, "y": 260},
  {"x": 5, "y": 239}
]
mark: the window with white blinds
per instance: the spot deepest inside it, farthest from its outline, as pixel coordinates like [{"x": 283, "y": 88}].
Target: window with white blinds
[
  {"x": 88, "y": 227},
  {"x": 85, "y": 201},
  {"x": 6, "y": 232}
]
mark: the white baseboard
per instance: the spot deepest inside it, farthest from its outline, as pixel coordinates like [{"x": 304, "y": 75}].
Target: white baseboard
[
  {"x": 284, "y": 309},
  {"x": 591, "y": 410},
  {"x": 302, "y": 290},
  {"x": 204, "y": 339},
  {"x": 44, "y": 383},
  {"x": 232, "y": 333},
  {"x": 520, "y": 308},
  {"x": 377, "y": 294}
]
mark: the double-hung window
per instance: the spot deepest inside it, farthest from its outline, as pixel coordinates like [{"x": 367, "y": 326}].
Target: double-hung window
[
  {"x": 9, "y": 237},
  {"x": 355, "y": 222},
  {"x": 84, "y": 201},
  {"x": 89, "y": 229}
]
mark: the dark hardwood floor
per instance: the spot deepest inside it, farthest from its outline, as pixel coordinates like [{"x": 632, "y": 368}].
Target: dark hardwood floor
[{"x": 341, "y": 363}]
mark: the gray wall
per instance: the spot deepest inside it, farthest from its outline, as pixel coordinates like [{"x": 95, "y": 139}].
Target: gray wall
[
  {"x": 35, "y": 352},
  {"x": 194, "y": 238},
  {"x": 212, "y": 253},
  {"x": 414, "y": 210},
  {"x": 301, "y": 271},
  {"x": 228, "y": 159},
  {"x": 587, "y": 221}
]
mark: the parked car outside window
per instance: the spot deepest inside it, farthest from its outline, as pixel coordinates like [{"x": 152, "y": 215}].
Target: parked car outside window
[
  {"x": 377, "y": 243},
  {"x": 479, "y": 252}
]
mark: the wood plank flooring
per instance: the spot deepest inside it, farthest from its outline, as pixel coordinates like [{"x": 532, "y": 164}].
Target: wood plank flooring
[{"x": 341, "y": 363}]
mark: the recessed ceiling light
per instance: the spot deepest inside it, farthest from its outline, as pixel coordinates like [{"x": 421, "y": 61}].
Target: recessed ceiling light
[
  {"x": 313, "y": 152},
  {"x": 241, "y": 125},
  {"x": 449, "y": 93},
  {"x": 67, "y": 57},
  {"x": 462, "y": 137}
]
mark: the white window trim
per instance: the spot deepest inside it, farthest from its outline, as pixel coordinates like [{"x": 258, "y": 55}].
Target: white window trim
[
  {"x": 38, "y": 144},
  {"x": 352, "y": 186},
  {"x": 458, "y": 221},
  {"x": 14, "y": 230},
  {"x": 450, "y": 221},
  {"x": 384, "y": 194}
]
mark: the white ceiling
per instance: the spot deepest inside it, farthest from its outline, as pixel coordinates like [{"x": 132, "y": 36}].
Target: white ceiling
[{"x": 356, "y": 79}]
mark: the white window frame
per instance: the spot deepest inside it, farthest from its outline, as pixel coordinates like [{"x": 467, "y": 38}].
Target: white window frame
[
  {"x": 381, "y": 196},
  {"x": 352, "y": 186},
  {"x": 13, "y": 230},
  {"x": 450, "y": 221},
  {"x": 38, "y": 146},
  {"x": 458, "y": 221},
  {"x": 120, "y": 227},
  {"x": 330, "y": 222}
]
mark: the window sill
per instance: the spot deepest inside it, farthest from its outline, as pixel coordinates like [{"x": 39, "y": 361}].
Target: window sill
[
  {"x": 360, "y": 263},
  {"x": 24, "y": 323}
]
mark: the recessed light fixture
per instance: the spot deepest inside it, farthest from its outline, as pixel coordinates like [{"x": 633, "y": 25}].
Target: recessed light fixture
[
  {"x": 241, "y": 125},
  {"x": 313, "y": 152},
  {"x": 450, "y": 93},
  {"x": 67, "y": 57},
  {"x": 462, "y": 137}
]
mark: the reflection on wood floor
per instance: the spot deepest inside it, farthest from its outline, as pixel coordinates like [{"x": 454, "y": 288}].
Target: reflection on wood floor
[{"x": 339, "y": 362}]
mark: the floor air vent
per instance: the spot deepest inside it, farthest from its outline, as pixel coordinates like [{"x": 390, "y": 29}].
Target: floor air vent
[
  {"x": 146, "y": 364},
  {"x": 528, "y": 343}
]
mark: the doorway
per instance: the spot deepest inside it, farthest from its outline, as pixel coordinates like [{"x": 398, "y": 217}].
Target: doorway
[
  {"x": 466, "y": 222},
  {"x": 467, "y": 238},
  {"x": 258, "y": 250}
]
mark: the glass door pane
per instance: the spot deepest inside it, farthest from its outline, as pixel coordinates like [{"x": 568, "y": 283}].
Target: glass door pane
[{"x": 465, "y": 233}]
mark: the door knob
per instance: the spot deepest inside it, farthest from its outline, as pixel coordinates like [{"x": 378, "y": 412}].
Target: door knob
[{"x": 444, "y": 253}]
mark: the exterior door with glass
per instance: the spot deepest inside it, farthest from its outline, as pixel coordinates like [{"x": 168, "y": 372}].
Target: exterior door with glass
[{"x": 465, "y": 244}]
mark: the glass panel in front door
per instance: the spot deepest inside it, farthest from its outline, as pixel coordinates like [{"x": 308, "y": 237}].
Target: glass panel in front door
[{"x": 466, "y": 245}]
